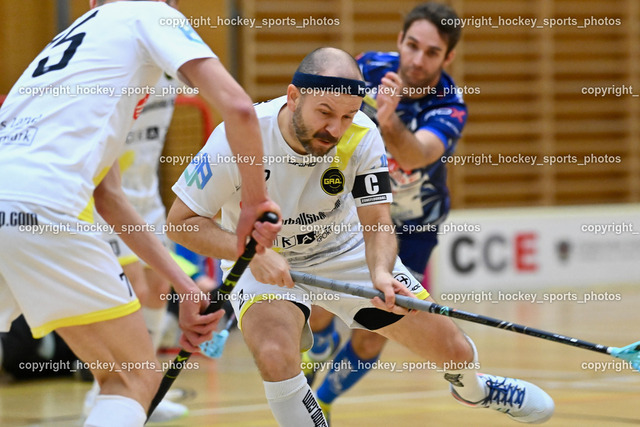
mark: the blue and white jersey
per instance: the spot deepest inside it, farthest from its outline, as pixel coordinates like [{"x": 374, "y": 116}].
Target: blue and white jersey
[{"x": 420, "y": 196}]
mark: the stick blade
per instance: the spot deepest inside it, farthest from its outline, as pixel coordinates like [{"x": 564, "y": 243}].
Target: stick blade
[
  {"x": 630, "y": 353},
  {"x": 214, "y": 347}
]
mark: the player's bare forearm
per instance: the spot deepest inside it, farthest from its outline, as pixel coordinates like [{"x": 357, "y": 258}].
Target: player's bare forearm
[
  {"x": 379, "y": 239},
  {"x": 410, "y": 150},
  {"x": 115, "y": 208},
  {"x": 208, "y": 238},
  {"x": 381, "y": 252}
]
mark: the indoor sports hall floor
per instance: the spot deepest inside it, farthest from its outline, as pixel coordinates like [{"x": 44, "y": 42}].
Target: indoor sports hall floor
[{"x": 229, "y": 392}]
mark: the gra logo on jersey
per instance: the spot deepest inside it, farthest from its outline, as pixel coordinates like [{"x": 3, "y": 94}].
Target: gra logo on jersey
[
  {"x": 200, "y": 174},
  {"x": 332, "y": 181}
]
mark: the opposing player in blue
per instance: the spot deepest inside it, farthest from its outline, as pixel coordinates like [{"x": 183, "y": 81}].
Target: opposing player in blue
[{"x": 420, "y": 115}]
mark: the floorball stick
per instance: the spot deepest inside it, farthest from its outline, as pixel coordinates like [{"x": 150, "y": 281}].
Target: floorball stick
[
  {"x": 630, "y": 353},
  {"x": 217, "y": 300}
]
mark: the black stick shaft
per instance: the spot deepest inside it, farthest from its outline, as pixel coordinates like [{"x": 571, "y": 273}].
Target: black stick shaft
[
  {"x": 416, "y": 304},
  {"x": 216, "y": 303}
]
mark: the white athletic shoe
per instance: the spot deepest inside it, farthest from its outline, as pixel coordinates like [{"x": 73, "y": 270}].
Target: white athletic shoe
[
  {"x": 520, "y": 400},
  {"x": 166, "y": 410}
]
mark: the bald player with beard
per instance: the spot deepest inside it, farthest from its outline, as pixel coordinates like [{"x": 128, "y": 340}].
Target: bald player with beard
[{"x": 331, "y": 173}]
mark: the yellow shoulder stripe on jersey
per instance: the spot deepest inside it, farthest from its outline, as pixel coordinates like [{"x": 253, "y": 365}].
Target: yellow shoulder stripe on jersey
[
  {"x": 87, "y": 212},
  {"x": 348, "y": 144},
  {"x": 85, "y": 319}
]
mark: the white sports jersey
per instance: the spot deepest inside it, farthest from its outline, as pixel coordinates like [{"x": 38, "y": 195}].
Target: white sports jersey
[
  {"x": 65, "y": 120},
  {"x": 318, "y": 200},
  {"x": 140, "y": 155}
]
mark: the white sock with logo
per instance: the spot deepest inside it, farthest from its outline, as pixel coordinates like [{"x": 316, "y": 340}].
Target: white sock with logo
[
  {"x": 465, "y": 380},
  {"x": 293, "y": 404}
]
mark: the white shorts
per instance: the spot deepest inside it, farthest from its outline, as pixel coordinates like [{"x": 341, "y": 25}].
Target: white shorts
[
  {"x": 349, "y": 267},
  {"x": 57, "y": 271},
  {"x": 154, "y": 214}
]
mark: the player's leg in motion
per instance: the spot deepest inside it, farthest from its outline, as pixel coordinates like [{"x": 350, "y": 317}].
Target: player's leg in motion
[
  {"x": 154, "y": 321},
  {"x": 364, "y": 347},
  {"x": 125, "y": 392},
  {"x": 272, "y": 331},
  {"x": 438, "y": 339},
  {"x": 351, "y": 362}
]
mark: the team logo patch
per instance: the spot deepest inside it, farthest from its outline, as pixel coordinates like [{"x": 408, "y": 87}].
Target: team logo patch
[
  {"x": 332, "y": 181},
  {"x": 201, "y": 174}
]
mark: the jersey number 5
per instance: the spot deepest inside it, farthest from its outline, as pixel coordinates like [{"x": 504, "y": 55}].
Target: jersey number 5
[{"x": 76, "y": 40}]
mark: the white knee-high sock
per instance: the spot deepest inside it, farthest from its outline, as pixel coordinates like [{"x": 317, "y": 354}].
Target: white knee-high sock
[
  {"x": 113, "y": 410},
  {"x": 154, "y": 320},
  {"x": 293, "y": 404},
  {"x": 465, "y": 380}
]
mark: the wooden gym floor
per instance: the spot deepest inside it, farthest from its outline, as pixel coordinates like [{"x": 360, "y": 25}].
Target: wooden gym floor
[{"x": 229, "y": 392}]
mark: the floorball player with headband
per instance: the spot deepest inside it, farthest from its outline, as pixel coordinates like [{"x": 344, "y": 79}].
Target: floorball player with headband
[
  {"x": 347, "y": 188},
  {"x": 420, "y": 114},
  {"x": 57, "y": 157}
]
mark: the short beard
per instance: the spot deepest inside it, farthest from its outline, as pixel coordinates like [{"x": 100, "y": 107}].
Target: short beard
[{"x": 301, "y": 132}]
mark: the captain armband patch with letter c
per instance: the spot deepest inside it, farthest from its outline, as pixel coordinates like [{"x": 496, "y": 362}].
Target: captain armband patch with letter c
[{"x": 372, "y": 187}]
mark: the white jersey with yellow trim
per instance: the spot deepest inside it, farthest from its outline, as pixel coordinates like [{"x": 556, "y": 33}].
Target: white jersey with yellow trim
[
  {"x": 318, "y": 196},
  {"x": 64, "y": 122}
]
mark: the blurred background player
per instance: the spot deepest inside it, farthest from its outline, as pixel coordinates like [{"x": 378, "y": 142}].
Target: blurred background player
[
  {"x": 63, "y": 277},
  {"x": 139, "y": 162},
  {"x": 420, "y": 116}
]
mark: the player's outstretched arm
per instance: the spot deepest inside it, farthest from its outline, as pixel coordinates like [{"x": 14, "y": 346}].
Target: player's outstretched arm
[
  {"x": 115, "y": 208},
  {"x": 220, "y": 89},
  {"x": 381, "y": 251}
]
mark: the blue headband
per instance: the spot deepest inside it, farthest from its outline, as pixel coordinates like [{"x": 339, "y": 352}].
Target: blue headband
[{"x": 319, "y": 85}]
